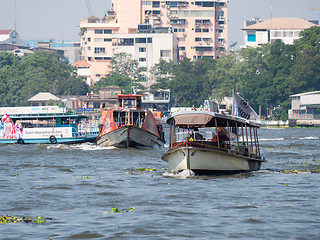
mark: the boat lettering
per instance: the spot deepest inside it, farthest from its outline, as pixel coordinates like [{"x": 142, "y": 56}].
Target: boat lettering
[{"x": 47, "y": 132}]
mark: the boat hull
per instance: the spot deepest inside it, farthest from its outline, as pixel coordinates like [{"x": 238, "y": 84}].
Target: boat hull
[
  {"x": 129, "y": 136},
  {"x": 209, "y": 161},
  {"x": 47, "y": 140}
]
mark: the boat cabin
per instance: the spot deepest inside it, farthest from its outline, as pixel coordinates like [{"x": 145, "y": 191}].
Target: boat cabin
[
  {"x": 130, "y": 101},
  {"x": 214, "y": 130}
]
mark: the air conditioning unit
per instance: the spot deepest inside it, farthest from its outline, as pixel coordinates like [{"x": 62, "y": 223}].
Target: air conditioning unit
[
  {"x": 163, "y": 4},
  {"x": 168, "y": 6},
  {"x": 184, "y": 34},
  {"x": 200, "y": 43}
]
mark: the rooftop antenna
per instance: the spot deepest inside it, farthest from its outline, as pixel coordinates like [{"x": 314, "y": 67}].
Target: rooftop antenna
[
  {"x": 62, "y": 21},
  {"x": 89, "y": 8},
  {"x": 15, "y": 14}
]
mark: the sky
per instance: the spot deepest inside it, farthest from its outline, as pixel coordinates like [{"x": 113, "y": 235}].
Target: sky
[{"x": 59, "y": 19}]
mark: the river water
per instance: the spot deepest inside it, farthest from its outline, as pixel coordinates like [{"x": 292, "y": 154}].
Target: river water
[{"x": 76, "y": 187}]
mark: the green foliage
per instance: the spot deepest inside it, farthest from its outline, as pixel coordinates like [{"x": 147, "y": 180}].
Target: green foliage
[
  {"x": 52, "y": 102},
  {"x": 162, "y": 73},
  {"x": 190, "y": 85},
  {"x": 10, "y": 219},
  {"x": 119, "y": 80},
  {"x": 265, "y": 76},
  {"x": 23, "y": 77},
  {"x": 124, "y": 64},
  {"x": 309, "y": 38},
  {"x": 117, "y": 210}
]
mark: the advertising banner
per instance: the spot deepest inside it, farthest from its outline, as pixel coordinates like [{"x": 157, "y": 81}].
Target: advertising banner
[{"x": 61, "y": 132}]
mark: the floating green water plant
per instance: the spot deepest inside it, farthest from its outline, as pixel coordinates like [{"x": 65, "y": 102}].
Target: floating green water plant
[
  {"x": 117, "y": 210},
  {"x": 10, "y": 219}
]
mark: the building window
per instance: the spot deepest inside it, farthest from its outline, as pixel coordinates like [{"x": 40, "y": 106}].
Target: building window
[
  {"x": 172, "y": 4},
  {"x": 220, "y": 30},
  {"x": 126, "y": 42},
  {"x": 205, "y": 30},
  {"x": 156, "y": 4},
  {"x": 142, "y": 59},
  {"x": 107, "y": 40},
  {"x": 89, "y": 39},
  {"x": 89, "y": 59},
  {"x": 98, "y": 39},
  {"x": 89, "y": 48},
  {"x": 207, "y": 4},
  {"x": 181, "y": 30},
  {"x": 197, "y": 30},
  {"x": 175, "y": 30},
  {"x": 182, "y": 48},
  {"x": 96, "y": 105},
  {"x": 107, "y": 31},
  {"x": 142, "y": 49},
  {"x": 178, "y": 21},
  {"x": 197, "y": 39},
  {"x": 141, "y": 40},
  {"x": 206, "y": 21},
  {"x": 165, "y": 53},
  {"x": 146, "y": 2},
  {"x": 219, "y": 14},
  {"x": 98, "y": 31},
  {"x": 149, "y": 40},
  {"x": 251, "y": 38},
  {"x": 99, "y": 50}
]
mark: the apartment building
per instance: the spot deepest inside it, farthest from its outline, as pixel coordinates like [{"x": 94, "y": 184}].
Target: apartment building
[
  {"x": 177, "y": 29},
  {"x": 200, "y": 26}
]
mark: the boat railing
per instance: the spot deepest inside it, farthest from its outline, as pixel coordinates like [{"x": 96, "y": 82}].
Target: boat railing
[
  {"x": 195, "y": 136},
  {"x": 209, "y": 139},
  {"x": 129, "y": 118}
]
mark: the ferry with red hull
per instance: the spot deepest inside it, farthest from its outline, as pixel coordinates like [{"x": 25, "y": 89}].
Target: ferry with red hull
[{"x": 130, "y": 126}]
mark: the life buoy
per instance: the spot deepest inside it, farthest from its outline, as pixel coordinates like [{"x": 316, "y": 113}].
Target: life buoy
[
  {"x": 53, "y": 139},
  {"x": 20, "y": 141}
]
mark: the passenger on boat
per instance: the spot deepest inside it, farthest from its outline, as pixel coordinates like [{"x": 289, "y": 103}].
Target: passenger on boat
[{"x": 223, "y": 137}]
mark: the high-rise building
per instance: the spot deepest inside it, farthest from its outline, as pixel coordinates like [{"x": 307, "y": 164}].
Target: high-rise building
[
  {"x": 200, "y": 26},
  {"x": 186, "y": 29}
]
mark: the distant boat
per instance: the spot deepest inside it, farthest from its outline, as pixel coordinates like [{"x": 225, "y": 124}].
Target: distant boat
[
  {"x": 45, "y": 124},
  {"x": 128, "y": 125},
  {"x": 212, "y": 143}
]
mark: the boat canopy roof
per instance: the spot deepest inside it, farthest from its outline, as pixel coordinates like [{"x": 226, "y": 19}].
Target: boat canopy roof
[{"x": 201, "y": 119}]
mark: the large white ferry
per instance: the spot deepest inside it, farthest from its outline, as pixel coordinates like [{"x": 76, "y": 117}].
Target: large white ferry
[{"x": 44, "y": 124}]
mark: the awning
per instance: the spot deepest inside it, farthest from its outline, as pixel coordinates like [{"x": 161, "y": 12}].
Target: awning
[{"x": 193, "y": 119}]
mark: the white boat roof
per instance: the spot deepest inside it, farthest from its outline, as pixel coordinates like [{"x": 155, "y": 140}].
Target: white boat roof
[{"x": 207, "y": 119}]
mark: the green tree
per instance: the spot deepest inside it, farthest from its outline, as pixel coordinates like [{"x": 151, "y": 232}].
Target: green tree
[
  {"x": 305, "y": 73},
  {"x": 309, "y": 38},
  {"x": 119, "y": 80},
  {"x": 190, "y": 85},
  {"x": 162, "y": 73},
  {"x": 124, "y": 64},
  {"x": 23, "y": 77}
]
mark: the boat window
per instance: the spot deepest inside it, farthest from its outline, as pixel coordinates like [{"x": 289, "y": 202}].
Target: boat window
[
  {"x": 64, "y": 121},
  {"x": 129, "y": 103}
]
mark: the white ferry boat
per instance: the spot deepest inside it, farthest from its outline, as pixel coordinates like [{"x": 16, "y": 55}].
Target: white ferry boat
[{"x": 44, "y": 124}]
